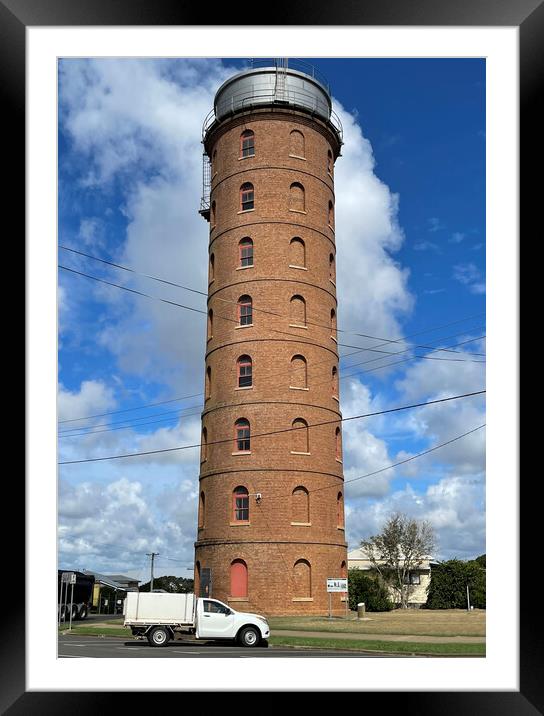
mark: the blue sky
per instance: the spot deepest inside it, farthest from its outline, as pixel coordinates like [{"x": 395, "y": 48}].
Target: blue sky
[{"x": 410, "y": 216}]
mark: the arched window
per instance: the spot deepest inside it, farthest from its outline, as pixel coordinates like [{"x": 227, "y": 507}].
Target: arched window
[
  {"x": 247, "y": 144},
  {"x": 300, "y": 503},
  {"x": 245, "y": 311},
  {"x": 210, "y": 323},
  {"x": 329, "y": 162},
  {"x": 240, "y": 504},
  {"x": 332, "y": 270},
  {"x": 298, "y": 311},
  {"x": 197, "y": 579},
  {"x": 213, "y": 213},
  {"x": 212, "y": 267},
  {"x": 238, "y": 578},
  {"x": 338, "y": 444},
  {"x": 340, "y": 510},
  {"x": 331, "y": 215},
  {"x": 302, "y": 579},
  {"x": 202, "y": 510},
  {"x": 242, "y": 435},
  {"x": 296, "y": 197},
  {"x": 296, "y": 144},
  {"x": 214, "y": 162},
  {"x": 245, "y": 248},
  {"x": 208, "y": 388},
  {"x": 204, "y": 445},
  {"x": 247, "y": 197},
  {"x": 244, "y": 370},
  {"x": 343, "y": 569},
  {"x": 334, "y": 382},
  {"x": 297, "y": 253},
  {"x": 333, "y": 324},
  {"x": 299, "y": 372},
  {"x": 300, "y": 441}
]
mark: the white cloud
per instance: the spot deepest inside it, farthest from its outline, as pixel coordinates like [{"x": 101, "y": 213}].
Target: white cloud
[
  {"x": 469, "y": 275},
  {"x": 93, "y": 397},
  {"x": 454, "y": 506}
]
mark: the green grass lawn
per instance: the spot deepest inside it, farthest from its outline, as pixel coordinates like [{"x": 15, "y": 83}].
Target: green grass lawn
[
  {"x": 420, "y": 622},
  {"x": 390, "y": 647}
]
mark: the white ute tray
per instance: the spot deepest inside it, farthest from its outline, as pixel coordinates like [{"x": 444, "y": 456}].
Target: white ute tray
[{"x": 159, "y": 608}]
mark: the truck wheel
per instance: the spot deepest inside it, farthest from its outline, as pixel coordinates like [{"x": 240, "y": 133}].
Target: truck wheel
[
  {"x": 83, "y": 613},
  {"x": 249, "y": 637},
  {"x": 74, "y": 613},
  {"x": 158, "y": 636}
]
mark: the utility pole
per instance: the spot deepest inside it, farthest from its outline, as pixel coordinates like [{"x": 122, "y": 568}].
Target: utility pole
[{"x": 152, "y": 555}]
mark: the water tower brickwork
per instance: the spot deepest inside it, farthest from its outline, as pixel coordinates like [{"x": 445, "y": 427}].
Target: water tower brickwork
[{"x": 271, "y": 507}]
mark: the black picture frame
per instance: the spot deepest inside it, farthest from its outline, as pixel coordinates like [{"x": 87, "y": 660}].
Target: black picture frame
[{"x": 528, "y": 16}]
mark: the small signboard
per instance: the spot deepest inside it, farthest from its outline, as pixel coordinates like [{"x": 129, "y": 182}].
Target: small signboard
[
  {"x": 337, "y": 585},
  {"x": 69, "y": 577}
]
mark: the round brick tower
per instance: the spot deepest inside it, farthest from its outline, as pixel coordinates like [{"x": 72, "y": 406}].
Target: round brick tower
[{"x": 271, "y": 495}]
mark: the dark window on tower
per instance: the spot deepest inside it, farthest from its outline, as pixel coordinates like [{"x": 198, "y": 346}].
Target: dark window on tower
[
  {"x": 242, "y": 435},
  {"x": 331, "y": 214},
  {"x": 247, "y": 144},
  {"x": 204, "y": 445},
  {"x": 210, "y": 323},
  {"x": 331, "y": 267},
  {"x": 338, "y": 444},
  {"x": 335, "y": 381},
  {"x": 245, "y": 372},
  {"x": 240, "y": 504},
  {"x": 202, "y": 511},
  {"x": 329, "y": 162},
  {"x": 246, "y": 252},
  {"x": 212, "y": 267},
  {"x": 208, "y": 388},
  {"x": 340, "y": 510},
  {"x": 245, "y": 311},
  {"x": 247, "y": 197},
  {"x": 213, "y": 213}
]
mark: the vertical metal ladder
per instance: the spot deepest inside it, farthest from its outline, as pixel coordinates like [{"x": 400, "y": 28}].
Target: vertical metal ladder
[
  {"x": 281, "y": 72},
  {"x": 206, "y": 187}
]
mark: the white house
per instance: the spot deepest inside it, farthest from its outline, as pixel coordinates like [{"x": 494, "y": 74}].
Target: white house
[{"x": 419, "y": 578}]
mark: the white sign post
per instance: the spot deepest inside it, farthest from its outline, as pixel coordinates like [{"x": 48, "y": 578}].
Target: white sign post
[{"x": 336, "y": 585}]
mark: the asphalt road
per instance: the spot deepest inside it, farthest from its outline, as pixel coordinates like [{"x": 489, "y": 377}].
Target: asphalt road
[{"x": 77, "y": 647}]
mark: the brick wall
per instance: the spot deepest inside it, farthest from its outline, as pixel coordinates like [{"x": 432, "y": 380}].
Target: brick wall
[{"x": 288, "y": 561}]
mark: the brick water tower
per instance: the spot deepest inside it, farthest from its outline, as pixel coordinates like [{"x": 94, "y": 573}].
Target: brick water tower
[{"x": 271, "y": 494}]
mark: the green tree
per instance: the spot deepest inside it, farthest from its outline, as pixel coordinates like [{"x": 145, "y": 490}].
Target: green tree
[
  {"x": 449, "y": 581},
  {"x": 175, "y": 585},
  {"x": 368, "y": 589},
  {"x": 401, "y": 547}
]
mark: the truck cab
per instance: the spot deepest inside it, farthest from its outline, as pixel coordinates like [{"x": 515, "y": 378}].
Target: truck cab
[{"x": 159, "y": 616}]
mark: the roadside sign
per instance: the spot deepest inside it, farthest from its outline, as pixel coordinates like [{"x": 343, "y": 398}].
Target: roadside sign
[
  {"x": 337, "y": 585},
  {"x": 69, "y": 577}
]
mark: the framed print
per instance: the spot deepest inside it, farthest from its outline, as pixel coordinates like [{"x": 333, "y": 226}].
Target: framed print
[{"x": 36, "y": 38}]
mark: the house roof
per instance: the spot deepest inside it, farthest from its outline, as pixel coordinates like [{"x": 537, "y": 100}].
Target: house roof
[
  {"x": 109, "y": 581},
  {"x": 122, "y": 578},
  {"x": 361, "y": 555}
]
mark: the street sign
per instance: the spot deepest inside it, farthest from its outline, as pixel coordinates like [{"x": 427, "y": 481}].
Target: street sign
[
  {"x": 69, "y": 577},
  {"x": 337, "y": 585}
]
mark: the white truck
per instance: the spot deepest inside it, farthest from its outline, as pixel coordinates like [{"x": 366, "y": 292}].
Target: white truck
[{"x": 158, "y": 616}]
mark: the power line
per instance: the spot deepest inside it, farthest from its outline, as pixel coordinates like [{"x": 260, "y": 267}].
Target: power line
[
  {"x": 276, "y": 432},
  {"x": 224, "y": 300},
  {"x": 89, "y": 430}
]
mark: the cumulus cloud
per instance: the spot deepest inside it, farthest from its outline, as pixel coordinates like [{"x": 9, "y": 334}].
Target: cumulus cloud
[
  {"x": 111, "y": 527},
  {"x": 93, "y": 397},
  {"x": 454, "y": 506}
]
